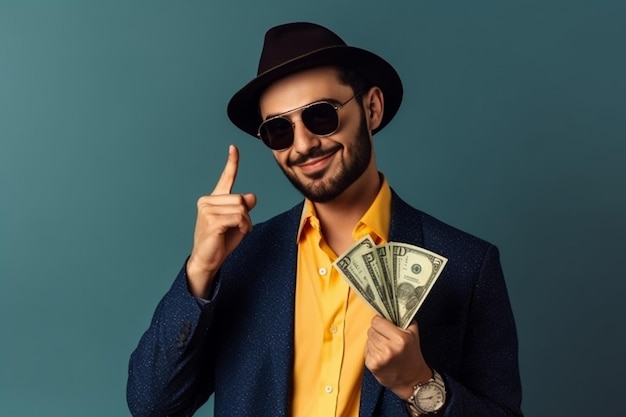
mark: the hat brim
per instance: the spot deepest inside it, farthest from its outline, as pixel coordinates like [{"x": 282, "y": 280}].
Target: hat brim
[{"x": 243, "y": 108}]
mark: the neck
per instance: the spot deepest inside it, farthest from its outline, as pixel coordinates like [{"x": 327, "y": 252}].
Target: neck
[{"x": 339, "y": 216}]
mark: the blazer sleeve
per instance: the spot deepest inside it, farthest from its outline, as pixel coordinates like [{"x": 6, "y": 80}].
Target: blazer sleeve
[
  {"x": 170, "y": 371},
  {"x": 489, "y": 382}
]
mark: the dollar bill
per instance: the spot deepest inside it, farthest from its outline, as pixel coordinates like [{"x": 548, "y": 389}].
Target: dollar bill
[
  {"x": 415, "y": 270},
  {"x": 394, "y": 278},
  {"x": 359, "y": 266},
  {"x": 385, "y": 265}
]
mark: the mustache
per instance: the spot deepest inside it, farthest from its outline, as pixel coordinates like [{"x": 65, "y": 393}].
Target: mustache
[{"x": 312, "y": 154}]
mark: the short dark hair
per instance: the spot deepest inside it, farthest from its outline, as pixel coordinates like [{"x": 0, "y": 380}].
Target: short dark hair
[{"x": 352, "y": 78}]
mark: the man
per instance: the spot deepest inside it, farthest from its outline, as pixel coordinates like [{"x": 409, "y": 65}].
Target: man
[{"x": 259, "y": 317}]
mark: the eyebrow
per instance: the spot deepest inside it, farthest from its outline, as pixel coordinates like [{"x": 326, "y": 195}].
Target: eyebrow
[{"x": 321, "y": 100}]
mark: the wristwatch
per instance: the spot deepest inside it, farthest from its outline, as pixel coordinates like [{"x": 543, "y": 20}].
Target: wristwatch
[{"x": 428, "y": 397}]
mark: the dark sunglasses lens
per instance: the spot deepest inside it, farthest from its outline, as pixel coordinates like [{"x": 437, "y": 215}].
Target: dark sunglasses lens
[
  {"x": 321, "y": 119},
  {"x": 277, "y": 133}
]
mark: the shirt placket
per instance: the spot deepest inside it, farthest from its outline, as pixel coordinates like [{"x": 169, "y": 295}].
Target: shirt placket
[{"x": 333, "y": 309}]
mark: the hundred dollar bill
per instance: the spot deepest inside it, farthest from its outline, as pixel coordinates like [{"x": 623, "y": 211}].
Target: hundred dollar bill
[
  {"x": 415, "y": 270},
  {"x": 359, "y": 266}
]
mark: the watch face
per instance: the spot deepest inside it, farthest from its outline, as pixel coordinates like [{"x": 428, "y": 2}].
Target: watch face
[{"x": 430, "y": 397}]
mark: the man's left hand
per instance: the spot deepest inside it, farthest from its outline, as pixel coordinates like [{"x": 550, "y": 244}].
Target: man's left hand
[{"x": 394, "y": 356}]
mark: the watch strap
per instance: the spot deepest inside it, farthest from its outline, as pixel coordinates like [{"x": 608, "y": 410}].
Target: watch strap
[{"x": 411, "y": 403}]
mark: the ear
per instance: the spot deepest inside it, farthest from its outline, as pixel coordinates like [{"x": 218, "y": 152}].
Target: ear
[{"x": 374, "y": 104}]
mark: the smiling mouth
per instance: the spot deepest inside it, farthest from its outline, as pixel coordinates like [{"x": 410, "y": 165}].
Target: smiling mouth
[
  {"x": 315, "y": 161},
  {"x": 316, "y": 165},
  {"x": 314, "y": 157}
]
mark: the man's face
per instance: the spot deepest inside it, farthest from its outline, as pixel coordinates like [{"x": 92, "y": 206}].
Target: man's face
[{"x": 321, "y": 168}]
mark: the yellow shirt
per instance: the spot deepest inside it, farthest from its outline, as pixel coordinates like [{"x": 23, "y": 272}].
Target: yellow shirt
[{"x": 331, "y": 321}]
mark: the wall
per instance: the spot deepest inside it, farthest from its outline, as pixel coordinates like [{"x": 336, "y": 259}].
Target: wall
[{"x": 112, "y": 124}]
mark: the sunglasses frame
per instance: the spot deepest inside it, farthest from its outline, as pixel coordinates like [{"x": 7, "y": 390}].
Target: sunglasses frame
[{"x": 335, "y": 106}]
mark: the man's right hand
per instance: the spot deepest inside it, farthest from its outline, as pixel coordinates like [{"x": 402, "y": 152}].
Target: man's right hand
[{"x": 223, "y": 220}]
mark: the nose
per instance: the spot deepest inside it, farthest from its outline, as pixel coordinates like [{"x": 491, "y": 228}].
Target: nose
[{"x": 303, "y": 139}]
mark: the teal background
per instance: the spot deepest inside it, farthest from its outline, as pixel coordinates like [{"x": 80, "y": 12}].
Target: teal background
[{"x": 112, "y": 124}]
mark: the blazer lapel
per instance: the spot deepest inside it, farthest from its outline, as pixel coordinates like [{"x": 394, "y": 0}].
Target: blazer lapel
[
  {"x": 283, "y": 304},
  {"x": 371, "y": 394},
  {"x": 406, "y": 226},
  {"x": 406, "y": 223}
]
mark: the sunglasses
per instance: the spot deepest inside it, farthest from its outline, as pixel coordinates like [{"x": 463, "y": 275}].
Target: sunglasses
[{"x": 320, "y": 118}]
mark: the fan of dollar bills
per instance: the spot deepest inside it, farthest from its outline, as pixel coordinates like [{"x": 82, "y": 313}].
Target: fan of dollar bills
[{"x": 394, "y": 278}]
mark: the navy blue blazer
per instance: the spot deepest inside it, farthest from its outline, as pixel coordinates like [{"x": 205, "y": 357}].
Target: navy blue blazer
[{"x": 240, "y": 344}]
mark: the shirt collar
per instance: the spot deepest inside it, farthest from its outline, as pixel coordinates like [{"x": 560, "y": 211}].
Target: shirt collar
[{"x": 376, "y": 220}]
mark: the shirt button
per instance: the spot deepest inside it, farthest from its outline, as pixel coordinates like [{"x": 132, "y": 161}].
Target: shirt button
[
  {"x": 322, "y": 271},
  {"x": 333, "y": 329},
  {"x": 328, "y": 389}
]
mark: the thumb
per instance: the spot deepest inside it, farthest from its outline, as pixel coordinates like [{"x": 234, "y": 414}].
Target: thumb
[
  {"x": 412, "y": 328},
  {"x": 250, "y": 200}
]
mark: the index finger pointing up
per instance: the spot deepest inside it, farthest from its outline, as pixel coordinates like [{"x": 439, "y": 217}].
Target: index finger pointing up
[{"x": 227, "y": 180}]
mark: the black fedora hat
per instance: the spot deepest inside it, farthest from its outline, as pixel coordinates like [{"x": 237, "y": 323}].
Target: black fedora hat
[{"x": 293, "y": 47}]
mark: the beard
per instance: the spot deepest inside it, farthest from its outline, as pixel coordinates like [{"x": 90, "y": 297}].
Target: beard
[{"x": 322, "y": 190}]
